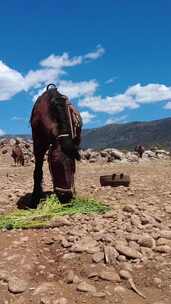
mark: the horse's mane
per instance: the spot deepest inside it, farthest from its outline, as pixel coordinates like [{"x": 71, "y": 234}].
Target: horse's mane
[{"x": 51, "y": 95}]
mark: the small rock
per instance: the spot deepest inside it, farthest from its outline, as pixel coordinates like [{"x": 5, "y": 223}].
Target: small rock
[
  {"x": 129, "y": 209},
  {"x": 85, "y": 287},
  {"x": 4, "y": 276},
  {"x": 168, "y": 209},
  {"x": 157, "y": 282},
  {"x": 70, "y": 277},
  {"x": 127, "y": 251},
  {"x": 163, "y": 249},
  {"x": 84, "y": 245},
  {"x": 69, "y": 256},
  {"x": 124, "y": 274},
  {"x": 76, "y": 279},
  {"x": 166, "y": 234},
  {"x": 59, "y": 222},
  {"x": 62, "y": 301},
  {"x": 99, "y": 295},
  {"x": 112, "y": 276},
  {"x": 132, "y": 237},
  {"x": 110, "y": 254},
  {"x": 121, "y": 258},
  {"x": 147, "y": 241},
  {"x": 98, "y": 257},
  {"x": 16, "y": 285},
  {"x": 119, "y": 289}
]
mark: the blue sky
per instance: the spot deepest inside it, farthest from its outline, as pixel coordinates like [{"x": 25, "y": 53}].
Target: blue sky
[{"x": 112, "y": 58}]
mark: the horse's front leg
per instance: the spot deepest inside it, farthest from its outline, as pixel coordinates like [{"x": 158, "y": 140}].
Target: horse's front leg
[{"x": 38, "y": 177}]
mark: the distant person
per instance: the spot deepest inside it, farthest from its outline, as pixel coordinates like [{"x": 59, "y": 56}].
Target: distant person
[
  {"x": 17, "y": 154},
  {"x": 140, "y": 150}
]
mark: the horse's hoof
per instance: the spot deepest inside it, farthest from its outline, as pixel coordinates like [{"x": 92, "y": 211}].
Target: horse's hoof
[
  {"x": 35, "y": 199},
  {"x": 65, "y": 198}
]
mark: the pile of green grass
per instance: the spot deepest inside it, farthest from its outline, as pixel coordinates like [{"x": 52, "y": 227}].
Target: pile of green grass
[{"x": 49, "y": 210}]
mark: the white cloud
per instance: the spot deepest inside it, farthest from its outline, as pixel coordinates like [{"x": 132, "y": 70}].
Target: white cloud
[
  {"x": 111, "y": 80},
  {"x": 38, "y": 78},
  {"x": 114, "y": 104},
  {"x": 99, "y": 52},
  {"x": 78, "y": 89},
  {"x": 168, "y": 105},
  {"x": 150, "y": 93},
  {"x": 2, "y": 132},
  {"x": 132, "y": 98},
  {"x": 18, "y": 118},
  {"x": 121, "y": 119},
  {"x": 59, "y": 62},
  {"x": 51, "y": 69},
  {"x": 11, "y": 82},
  {"x": 87, "y": 117}
]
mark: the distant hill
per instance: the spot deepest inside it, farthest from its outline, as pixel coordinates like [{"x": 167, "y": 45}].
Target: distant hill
[{"x": 126, "y": 136}]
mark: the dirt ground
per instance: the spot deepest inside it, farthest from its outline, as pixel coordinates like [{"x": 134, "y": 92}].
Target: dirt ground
[{"x": 65, "y": 264}]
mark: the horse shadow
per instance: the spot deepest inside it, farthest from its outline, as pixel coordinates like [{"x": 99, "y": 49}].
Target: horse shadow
[{"x": 26, "y": 201}]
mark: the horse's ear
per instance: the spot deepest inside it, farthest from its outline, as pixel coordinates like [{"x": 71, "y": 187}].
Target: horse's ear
[{"x": 51, "y": 86}]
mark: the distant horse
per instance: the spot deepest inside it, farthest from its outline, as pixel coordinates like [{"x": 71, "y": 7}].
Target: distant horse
[
  {"x": 140, "y": 150},
  {"x": 17, "y": 155},
  {"x": 56, "y": 128}
]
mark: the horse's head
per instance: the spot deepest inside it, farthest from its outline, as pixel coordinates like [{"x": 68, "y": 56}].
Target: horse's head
[{"x": 62, "y": 169}]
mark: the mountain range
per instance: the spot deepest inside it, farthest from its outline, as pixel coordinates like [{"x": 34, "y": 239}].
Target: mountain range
[{"x": 127, "y": 135}]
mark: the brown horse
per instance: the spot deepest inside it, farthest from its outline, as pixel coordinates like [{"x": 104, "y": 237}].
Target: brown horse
[
  {"x": 56, "y": 127},
  {"x": 17, "y": 154},
  {"x": 140, "y": 150}
]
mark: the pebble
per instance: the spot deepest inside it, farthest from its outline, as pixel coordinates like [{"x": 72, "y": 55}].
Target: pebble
[
  {"x": 166, "y": 234},
  {"x": 157, "y": 282},
  {"x": 85, "y": 287},
  {"x": 98, "y": 257},
  {"x": 129, "y": 209},
  {"x": 163, "y": 249},
  {"x": 110, "y": 254},
  {"x": 99, "y": 295},
  {"x": 16, "y": 285},
  {"x": 125, "y": 274},
  {"x": 70, "y": 277},
  {"x": 147, "y": 241},
  {"x": 119, "y": 289},
  {"x": 110, "y": 275},
  {"x": 127, "y": 251}
]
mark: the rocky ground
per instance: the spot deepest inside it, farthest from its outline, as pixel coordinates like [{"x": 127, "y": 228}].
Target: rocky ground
[{"x": 123, "y": 256}]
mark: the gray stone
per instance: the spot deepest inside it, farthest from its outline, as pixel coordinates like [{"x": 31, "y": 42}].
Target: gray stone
[
  {"x": 99, "y": 295},
  {"x": 166, "y": 234},
  {"x": 84, "y": 244},
  {"x": 147, "y": 241},
  {"x": 129, "y": 209},
  {"x": 127, "y": 251},
  {"x": 110, "y": 275},
  {"x": 110, "y": 254},
  {"x": 70, "y": 277},
  {"x": 4, "y": 275},
  {"x": 85, "y": 287},
  {"x": 98, "y": 257},
  {"x": 16, "y": 285},
  {"x": 163, "y": 249},
  {"x": 157, "y": 282},
  {"x": 125, "y": 274}
]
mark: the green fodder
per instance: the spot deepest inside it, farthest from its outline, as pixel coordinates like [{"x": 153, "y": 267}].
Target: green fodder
[{"x": 48, "y": 210}]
